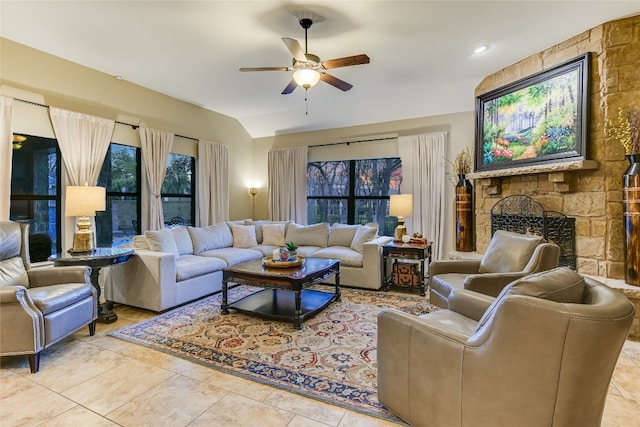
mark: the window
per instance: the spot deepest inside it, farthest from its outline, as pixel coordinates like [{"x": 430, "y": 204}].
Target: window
[
  {"x": 35, "y": 174},
  {"x": 120, "y": 175},
  {"x": 353, "y": 192},
  {"x": 178, "y": 191}
]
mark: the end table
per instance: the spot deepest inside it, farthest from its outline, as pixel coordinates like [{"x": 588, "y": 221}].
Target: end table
[
  {"x": 96, "y": 259},
  {"x": 408, "y": 265}
]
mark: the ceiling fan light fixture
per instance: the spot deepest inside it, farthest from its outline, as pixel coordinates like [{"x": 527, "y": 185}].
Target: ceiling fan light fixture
[{"x": 306, "y": 77}]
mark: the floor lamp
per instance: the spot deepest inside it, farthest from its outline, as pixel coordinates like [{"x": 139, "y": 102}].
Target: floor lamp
[{"x": 253, "y": 191}]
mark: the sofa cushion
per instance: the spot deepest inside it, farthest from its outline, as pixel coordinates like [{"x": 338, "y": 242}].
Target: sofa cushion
[
  {"x": 189, "y": 266},
  {"x": 233, "y": 256},
  {"x": 342, "y": 234},
  {"x": 12, "y": 272},
  {"x": 258, "y": 225},
  {"x": 244, "y": 236},
  {"x": 212, "y": 237},
  {"x": 561, "y": 285},
  {"x": 363, "y": 235},
  {"x": 54, "y": 297},
  {"x": 273, "y": 234},
  {"x": 347, "y": 256},
  {"x": 308, "y": 235},
  {"x": 183, "y": 240},
  {"x": 508, "y": 252},
  {"x": 162, "y": 241}
]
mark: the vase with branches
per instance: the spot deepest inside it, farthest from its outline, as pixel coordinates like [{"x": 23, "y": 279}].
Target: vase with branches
[
  {"x": 626, "y": 129},
  {"x": 464, "y": 201}
]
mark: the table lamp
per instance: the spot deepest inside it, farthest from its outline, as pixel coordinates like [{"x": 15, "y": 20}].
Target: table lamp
[
  {"x": 400, "y": 205},
  {"x": 83, "y": 201}
]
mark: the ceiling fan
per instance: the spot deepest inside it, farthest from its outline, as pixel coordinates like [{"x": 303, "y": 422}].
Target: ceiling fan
[{"x": 308, "y": 69}]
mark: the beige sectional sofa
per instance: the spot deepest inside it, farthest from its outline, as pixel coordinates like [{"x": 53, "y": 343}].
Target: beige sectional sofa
[{"x": 177, "y": 265}]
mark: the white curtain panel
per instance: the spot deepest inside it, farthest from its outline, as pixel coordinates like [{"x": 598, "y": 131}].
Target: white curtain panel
[
  {"x": 424, "y": 175},
  {"x": 288, "y": 184},
  {"x": 213, "y": 183},
  {"x": 156, "y": 146},
  {"x": 6, "y": 153},
  {"x": 83, "y": 141}
]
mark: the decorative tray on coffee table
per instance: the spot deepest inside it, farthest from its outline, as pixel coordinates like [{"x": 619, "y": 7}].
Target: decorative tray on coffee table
[{"x": 291, "y": 262}]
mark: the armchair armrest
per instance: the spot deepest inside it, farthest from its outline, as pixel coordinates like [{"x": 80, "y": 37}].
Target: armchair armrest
[
  {"x": 463, "y": 266},
  {"x": 419, "y": 368},
  {"x": 468, "y": 303},
  {"x": 371, "y": 258},
  {"x": 48, "y": 276},
  {"x": 491, "y": 283},
  {"x": 21, "y": 323}
]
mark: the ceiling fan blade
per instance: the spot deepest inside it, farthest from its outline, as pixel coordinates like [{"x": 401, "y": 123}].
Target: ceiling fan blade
[
  {"x": 265, "y": 69},
  {"x": 347, "y": 61},
  {"x": 290, "y": 87},
  {"x": 295, "y": 49},
  {"x": 334, "y": 81}
]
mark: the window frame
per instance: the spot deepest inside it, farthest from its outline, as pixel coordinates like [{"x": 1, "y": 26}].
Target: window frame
[
  {"x": 32, "y": 197},
  {"x": 351, "y": 198}
]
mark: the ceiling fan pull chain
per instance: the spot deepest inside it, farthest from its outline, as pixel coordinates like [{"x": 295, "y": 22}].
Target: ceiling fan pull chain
[{"x": 306, "y": 102}]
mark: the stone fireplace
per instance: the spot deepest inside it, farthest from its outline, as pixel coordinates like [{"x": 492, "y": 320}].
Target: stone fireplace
[{"x": 588, "y": 190}]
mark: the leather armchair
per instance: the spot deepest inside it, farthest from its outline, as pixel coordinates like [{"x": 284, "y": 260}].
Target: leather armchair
[
  {"x": 541, "y": 354},
  {"x": 509, "y": 256},
  {"x": 39, "y": 306}
]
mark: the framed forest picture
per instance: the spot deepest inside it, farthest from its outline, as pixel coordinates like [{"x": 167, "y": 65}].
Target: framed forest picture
[{"x": 540, "y": 119}]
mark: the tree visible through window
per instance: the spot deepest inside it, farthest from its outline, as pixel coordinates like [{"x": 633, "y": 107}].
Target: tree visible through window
[
  {"x": 353, "y": 192},
  {"x": 178, "y": 191},
  {"x": 120, "y": 175}
]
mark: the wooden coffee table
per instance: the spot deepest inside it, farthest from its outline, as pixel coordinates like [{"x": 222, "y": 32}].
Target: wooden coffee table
[{"x": 285, "y": 295}]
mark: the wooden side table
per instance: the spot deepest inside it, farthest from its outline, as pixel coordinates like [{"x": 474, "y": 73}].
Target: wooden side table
[
  {"x": 97, "y": 259},
  {"x": 407, "y": 265}
]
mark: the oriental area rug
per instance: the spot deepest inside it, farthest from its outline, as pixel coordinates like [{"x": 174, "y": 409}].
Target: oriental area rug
[{"x": 332, "y": 359}]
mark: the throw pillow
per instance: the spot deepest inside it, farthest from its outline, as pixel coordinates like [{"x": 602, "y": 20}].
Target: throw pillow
[
  {"x": 212, "y": 237},
  {"x": 508, "y": 252},
  {"x": 162, "y": 241},
  {"x": 363, "y": 235},
  {"x": 183, "y": 240},
  {"x": 273, "y": 234},
  {"x": 140, "y": 242},
  {"x": 244, "y": 236},
  {"x": 342, "y": 234},
  {"x": 561, "y": 285},
  {"x": 258, "y": 225},
  {"x": 308, "y": 235}
]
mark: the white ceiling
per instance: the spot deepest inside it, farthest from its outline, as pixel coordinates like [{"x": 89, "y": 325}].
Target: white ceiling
[{"x": 421, "y": 51}]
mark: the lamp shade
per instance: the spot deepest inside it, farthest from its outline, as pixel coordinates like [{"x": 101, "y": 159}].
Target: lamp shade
[
  {"x": 83, "y": 200},
  {"x": 306, "y": 77},
  {"x": 401, "y": 205}
]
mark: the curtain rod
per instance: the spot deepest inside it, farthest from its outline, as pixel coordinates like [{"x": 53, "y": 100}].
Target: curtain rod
[
  {"x": 388, "y": 138},
  {"x": 134, "y": 127}
]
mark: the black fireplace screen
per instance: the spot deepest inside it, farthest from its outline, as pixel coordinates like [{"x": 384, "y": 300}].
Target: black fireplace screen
[{"x": 523, "y": 214}]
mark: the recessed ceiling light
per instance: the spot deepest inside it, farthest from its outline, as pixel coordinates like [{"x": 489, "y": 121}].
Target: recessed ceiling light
[{"x": 481, "y": 48}]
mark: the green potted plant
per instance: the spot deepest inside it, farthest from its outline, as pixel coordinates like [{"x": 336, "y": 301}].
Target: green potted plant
[{"x": 292, "y": 248}]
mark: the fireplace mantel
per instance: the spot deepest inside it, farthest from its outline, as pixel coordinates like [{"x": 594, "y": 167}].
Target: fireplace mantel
[
  {"x": 559, "y": 173},
  {"x": 543, "y": 168}
]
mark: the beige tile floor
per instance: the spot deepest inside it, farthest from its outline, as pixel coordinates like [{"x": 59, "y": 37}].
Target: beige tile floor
[{"x": 103, "y": 381}]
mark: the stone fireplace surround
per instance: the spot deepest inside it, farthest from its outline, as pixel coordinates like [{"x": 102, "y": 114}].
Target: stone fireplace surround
[{"x": 589, "y": 190}]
